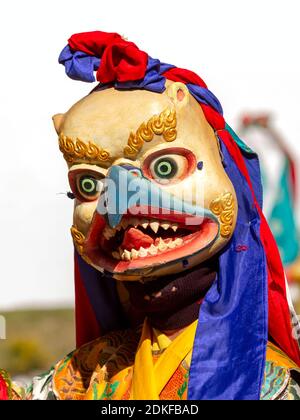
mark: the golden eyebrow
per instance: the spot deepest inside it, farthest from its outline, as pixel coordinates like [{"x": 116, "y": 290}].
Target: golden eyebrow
[
  {"x": 78, "y": 150},
  {"x": 163, "y": 124}
]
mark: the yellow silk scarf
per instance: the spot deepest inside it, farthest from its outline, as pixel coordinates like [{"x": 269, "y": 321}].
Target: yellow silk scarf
[{"x": 150, "y": 379}]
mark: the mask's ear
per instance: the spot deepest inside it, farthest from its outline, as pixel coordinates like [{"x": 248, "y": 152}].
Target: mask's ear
[
  {"x": 58, "y": 120},
  {"x": 179, "y": 94}
]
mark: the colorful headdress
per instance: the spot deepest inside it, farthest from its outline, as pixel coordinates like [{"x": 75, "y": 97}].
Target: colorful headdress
[{"x": 248, "y": 301}]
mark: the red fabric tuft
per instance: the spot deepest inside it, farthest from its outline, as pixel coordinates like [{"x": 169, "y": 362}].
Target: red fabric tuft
[
  {"x": 87, "y": 327},
  {"x": 184, "y": 76},
  {"x": 121, "y": 61},
  {"x": 280, "y": 326},
  {"x": 93, "y": 43}
]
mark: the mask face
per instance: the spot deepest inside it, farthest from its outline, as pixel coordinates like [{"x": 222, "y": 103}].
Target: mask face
[{"x": 152, "y": 196}]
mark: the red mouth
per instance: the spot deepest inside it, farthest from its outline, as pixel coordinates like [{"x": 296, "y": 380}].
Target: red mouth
[{"x": 144, "y": 241}]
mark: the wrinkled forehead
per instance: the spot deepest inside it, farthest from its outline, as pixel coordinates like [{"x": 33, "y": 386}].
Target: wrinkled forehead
[{"x": 107, "y": 118}]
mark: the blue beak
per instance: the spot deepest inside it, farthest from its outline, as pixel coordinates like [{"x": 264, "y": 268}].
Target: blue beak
[{"x": 126, "y": 189}]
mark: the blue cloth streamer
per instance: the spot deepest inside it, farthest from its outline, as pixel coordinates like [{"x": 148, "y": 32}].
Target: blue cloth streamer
[
  {"x": 206, "y": 97},
  {"x": 230, "y": 345},
  {"x": 78, "y": 65}
]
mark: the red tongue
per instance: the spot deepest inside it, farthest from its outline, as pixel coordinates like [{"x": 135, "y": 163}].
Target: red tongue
[{"x": 135, "y": 239}]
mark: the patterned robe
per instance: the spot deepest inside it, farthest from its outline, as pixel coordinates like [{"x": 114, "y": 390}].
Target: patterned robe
[{"x": 103, "y": 370}]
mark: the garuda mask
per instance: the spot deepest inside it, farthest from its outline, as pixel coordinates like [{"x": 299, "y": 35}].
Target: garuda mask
[{"x": 161, "y": 186}]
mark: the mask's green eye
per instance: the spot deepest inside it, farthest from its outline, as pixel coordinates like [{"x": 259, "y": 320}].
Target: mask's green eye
[
  {"x": 165, "y": 168},
  {"x": 169, "y": 168},
  {"x": 88, "y": 187}
]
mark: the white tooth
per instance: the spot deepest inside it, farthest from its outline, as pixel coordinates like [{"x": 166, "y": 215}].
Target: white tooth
[
  {"x": 143, "y": 252},
  {"x": 175, "y": 226},
  {"x": 134, "y": 254},
  {"x": 116, "y": 255},
  {"x": 172, "y": 245},
  {"x": 152, "y": 250},
  {"x": 127, "y": 255},
  {"x": 162, "y": 246},
  {"x": 179, "y": 241},
  {"x": 154, "y": 226},
  {"x": 145, "y": 223},
  {"x": 165, "y": 225}
]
